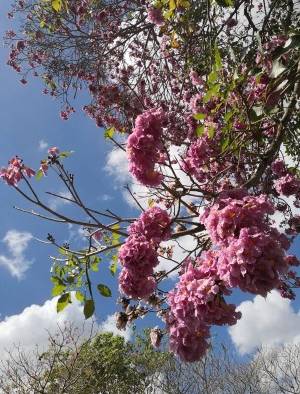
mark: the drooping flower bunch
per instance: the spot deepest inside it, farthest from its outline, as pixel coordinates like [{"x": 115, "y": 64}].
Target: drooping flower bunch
[
  {"x": 195, "y": 304},
  {"x": 13, "y": 173},
  {"x": 138, "y": 256},
  {"x": 252, "y": 253},
  {"x": 144, "y": 147}
]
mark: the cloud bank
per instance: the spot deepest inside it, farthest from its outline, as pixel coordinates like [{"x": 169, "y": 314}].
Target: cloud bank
[{"x": 269, "y": 322}]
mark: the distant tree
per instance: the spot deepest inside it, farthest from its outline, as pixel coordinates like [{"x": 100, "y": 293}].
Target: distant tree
[
  {"x": 103, "y": 363},
  {"x": 106, "y": 364}
]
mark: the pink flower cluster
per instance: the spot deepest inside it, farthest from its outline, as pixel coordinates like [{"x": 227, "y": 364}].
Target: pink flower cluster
[
  {"x": 228, "y": 216},
  {"x": 155, "y": 16},
  {"x": 253, "y": 262},
  {"x": 144, "y": 147},
  {"x": 14, "y": 172},
  {"x": 196, "y": 304},
  {"x": 154, "y": 224},
  {"x": 251, "y": 252},
  {"x": 286, "y": 183},
  {"x": 198, "y": 155},
  {"x": 138, "y": 256}
]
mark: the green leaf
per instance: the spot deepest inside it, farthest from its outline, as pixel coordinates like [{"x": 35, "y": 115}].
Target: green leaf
[
  {"x": 56, "y": 5},
  {"x": 79, "y": 296},
  {"x": 65, "y": 154},
  {"x": 95, "y": 264},
  {"x": 212, "y": 77},
  {"x": 39, "y": 175},
  {"x": 199, "y": 116},
  {"x": 211, "y": 132},
  {"x": 63, "y": 301},
  {"x": 172, "y": 5},
  {"x": 218, "y": 59},
  {"x": 228, "y": 115},
  {"x": 225, "y": 3},
  {"x": 63, "y": 251},
  {"x": 58, "y": 289},
  {"x": 56, "y": 281},
  {"x": 104, "y": 290},
  {"x": 113, "y": 268},
  {"x": 200, "y": 130},
  {"x": 109, "y": 133},
  {"x": 256, "y": 113},
  {"x": 225, "y": 143},
  {"x": 89, "y": 308}
]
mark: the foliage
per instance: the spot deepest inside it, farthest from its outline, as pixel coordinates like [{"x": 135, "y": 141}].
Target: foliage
[
  {"x": 106, "y": 364},
  {"x": 72, "y": 365}
]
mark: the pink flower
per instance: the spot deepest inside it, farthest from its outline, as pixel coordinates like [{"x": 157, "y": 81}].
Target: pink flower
[
  {"x": 225, "y": 219},
  {"x": 144, "y": 147},
  {"x": 292, "y": 260},
  {"x": 155, "y": 16},
  {"x": 13, "y": 173},
  {"x": 279, "y": 168},
  {"x": 98, "y": 235},
  {"x": 288, "y": 185},
  {"x": 138, "y": 255},
  {"x": 190, "y": 343},
  {"x": 199, "y": 297},
  {"x": 253, "y": 262},
  {"x": 134, "y": 286},
  {"x": 195, "y": 78},
  {"x": 154, "y": 224},
  {"x": 53, "y": 152}
]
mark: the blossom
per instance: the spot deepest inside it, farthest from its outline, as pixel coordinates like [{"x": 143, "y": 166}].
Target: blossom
[
  {"x": 278, "y": 167},
  {"x": 225, "y": 219},
  {"x": 196, "y": 303},
  {"x": 144, "y": 147},
  {"x": 190, "y": 343},
  {"x": 288, "y": 185},
  {"x": 292, "y": 260},
  {"x": 154, "y": 224},
  {"x": 253, "y": 262},
  {"x": 155, "y": 16},
  {"x": 13, "y": 173},
  {"x": 138, "y": 255},
  {"x": 198, "y": 155},
  {"x": 53, "y": 152},
  {"x": 135, "y": 286},
  {"x": 195, "y": 78},
  {"x": 199, "y": 297}
]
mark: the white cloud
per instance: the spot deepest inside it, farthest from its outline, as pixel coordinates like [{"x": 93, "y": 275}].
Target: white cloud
[
  {"x": 56, "y": 202},
  {"x": 117, "y": 165},
  {"x": 182, "y": 248},
  {"x": 269, "y": 322},
  {"x": 16, "y": 262},
  {"x": 43, "y": 145},
  {"x": 32, "y": 326},
  {"x": 109, "y": 325}
]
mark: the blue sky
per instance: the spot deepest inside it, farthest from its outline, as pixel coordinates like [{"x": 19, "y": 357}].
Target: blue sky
[{"x": 29, "y": 121}]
